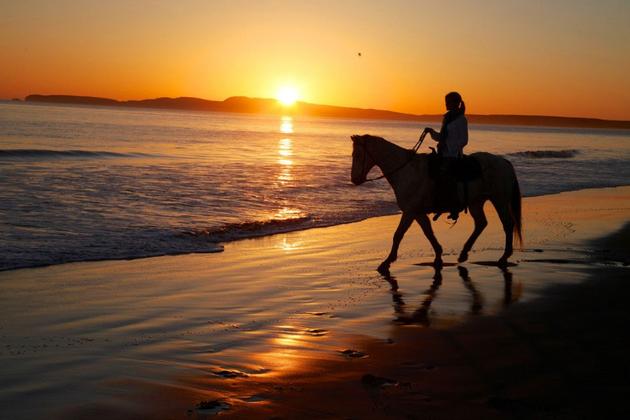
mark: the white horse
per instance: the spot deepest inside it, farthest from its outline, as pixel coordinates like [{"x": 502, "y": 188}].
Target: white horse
[{"x": 408, "y": 175}]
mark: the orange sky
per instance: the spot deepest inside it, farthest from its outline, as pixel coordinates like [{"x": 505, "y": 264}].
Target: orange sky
[{"x": 562, "y": 57}]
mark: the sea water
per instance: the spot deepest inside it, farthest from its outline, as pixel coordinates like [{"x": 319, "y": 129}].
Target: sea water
[{"x": 95, "y": 183}]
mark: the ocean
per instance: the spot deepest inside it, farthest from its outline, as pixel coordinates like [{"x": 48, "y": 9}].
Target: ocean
[{"x": 99, "y": 183}]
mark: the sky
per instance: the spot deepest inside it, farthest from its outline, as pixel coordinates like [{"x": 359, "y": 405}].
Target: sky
[{"x": 554, "y": 57}]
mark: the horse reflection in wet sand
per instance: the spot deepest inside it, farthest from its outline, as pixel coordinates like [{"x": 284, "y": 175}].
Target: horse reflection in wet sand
[
  {"x": 422, "y": 315},
  {"x": 408, "y": 175}
]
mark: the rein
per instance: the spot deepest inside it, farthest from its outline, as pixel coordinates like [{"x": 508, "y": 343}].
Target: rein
[{"x": 414, "y": 150}]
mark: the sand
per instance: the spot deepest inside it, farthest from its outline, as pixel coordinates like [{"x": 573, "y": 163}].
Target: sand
[{"x": 300, "y": 325}]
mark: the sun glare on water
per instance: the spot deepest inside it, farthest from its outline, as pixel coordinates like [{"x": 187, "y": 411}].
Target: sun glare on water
[{"x": 287, "y": 95}]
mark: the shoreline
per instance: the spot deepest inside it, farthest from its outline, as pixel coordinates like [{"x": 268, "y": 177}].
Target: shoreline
[
  {"x": 220, "y": 245},
  {"x": 299, "y": 325}
]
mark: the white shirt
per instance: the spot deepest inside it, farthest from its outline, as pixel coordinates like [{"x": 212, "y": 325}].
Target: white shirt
[{"x": 457, "y": 137}]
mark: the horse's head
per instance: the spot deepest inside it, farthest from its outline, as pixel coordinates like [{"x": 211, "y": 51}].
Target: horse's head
[{"x": 362, "y": 161}]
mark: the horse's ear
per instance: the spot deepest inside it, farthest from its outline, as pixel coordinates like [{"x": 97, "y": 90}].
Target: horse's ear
[{"x": 355, "y": 138}]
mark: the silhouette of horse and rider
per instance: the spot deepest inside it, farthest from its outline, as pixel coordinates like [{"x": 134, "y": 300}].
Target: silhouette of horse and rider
[{"x": 443, "y": 182}]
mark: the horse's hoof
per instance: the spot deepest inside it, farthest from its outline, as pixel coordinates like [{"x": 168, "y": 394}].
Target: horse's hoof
[
  {"x": 438, "y": 263},
  {"x": 463, "y": 257},
  {"x": 502, "y": 263},
  {"x": 383, "y": 269}
]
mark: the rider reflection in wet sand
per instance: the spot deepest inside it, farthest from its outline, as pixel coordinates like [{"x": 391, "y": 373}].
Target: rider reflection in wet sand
[{"x": 452, "y": 138}]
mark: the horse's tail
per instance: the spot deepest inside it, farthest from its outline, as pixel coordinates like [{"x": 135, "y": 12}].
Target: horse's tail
[{"x": 515, "y": 211}]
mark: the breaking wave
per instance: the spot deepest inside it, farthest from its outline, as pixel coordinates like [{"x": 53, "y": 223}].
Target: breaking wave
[
  {"x": 233, "y": 231},
  {"x": 538, "y": 154},
  {"x": 32, "y": 154}
]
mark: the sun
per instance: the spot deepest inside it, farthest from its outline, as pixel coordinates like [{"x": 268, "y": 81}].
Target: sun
[{"x": 287, "y": 95}]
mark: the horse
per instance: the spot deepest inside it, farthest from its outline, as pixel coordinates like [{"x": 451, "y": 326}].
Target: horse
[{"x": 408, "y": 174}]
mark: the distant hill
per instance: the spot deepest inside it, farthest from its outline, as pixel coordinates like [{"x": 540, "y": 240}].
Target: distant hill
[{"x": 244, "y": 104}]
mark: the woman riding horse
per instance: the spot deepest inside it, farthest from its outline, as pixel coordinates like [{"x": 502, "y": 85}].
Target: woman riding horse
[
  {"x": 408, "y": 175},
  {"x": 452, "y": 138}
]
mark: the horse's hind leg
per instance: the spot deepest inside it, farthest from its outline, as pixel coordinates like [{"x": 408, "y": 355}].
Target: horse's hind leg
[
  {"x": 508, "y": 227},
  {"x": 405, "y": 221},
  {"x": 476, "y": 211},
  {"x": 425, "y": 224}
]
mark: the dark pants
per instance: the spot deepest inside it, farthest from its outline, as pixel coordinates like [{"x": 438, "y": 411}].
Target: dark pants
[{"x": 447, "y": 197}]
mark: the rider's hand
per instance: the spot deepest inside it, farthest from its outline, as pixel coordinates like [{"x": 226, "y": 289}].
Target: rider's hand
[{"x": 428, "y": 129}]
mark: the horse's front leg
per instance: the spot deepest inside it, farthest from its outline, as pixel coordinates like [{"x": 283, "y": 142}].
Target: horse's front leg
[
  {"x": 425, "y": 224},
  {"x": 405, "y": 221}
]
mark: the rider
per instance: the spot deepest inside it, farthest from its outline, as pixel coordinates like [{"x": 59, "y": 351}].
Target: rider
[{"x": 452, "y": 138}]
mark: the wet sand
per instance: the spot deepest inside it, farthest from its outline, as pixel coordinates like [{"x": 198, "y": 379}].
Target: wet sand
[{"x": 300, "y": 325}]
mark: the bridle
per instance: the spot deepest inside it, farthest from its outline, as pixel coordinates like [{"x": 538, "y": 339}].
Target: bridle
[{"x": 414, "y": 150}]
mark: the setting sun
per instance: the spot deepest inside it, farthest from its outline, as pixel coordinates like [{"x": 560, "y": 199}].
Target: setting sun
[{"x": 287, "y": 95}]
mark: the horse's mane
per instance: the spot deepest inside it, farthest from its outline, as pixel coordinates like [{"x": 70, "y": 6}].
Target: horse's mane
[{"x": 381, "y": 139}]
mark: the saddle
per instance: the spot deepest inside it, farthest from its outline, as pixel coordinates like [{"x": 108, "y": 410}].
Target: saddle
[
  {"x": 463, "y": 170},
  {"x": 467, "y": 169}
]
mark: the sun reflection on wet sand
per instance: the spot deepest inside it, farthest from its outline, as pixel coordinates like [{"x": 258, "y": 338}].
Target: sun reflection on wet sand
[
  {"x": 288, "y": 245},
  {"x": 283, "y": 352},
  {"x": 293, "y": 348},
  {"x": 286, "y": 340}
]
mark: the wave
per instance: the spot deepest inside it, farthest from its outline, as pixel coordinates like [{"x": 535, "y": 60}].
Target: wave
[
  {"x": 27, "y": 154},
  {"x": 123, "y": 245},
  {"x": 538, "y": 154},
  {"x": 233, "y": 231}
]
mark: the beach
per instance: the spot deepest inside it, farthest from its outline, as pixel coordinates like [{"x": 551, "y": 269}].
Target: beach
[
  {"x": 300, "y": 325},
  {"x": 201, "y": 210}
]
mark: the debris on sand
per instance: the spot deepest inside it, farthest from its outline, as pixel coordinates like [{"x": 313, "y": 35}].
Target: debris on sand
[
  {"x": 254, "y": 399},
  {"x": 377, "y": 382},
  {"x": 212, "y": 407},
  {"x": 230, "y": 374},
  {"x": 318, "y": 313},
  {"x": 353, "y": 354},
  {"x": 315, "y": 332}
]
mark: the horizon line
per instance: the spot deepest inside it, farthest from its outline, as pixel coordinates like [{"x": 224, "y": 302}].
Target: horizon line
[{"x": 274, "y": 100}]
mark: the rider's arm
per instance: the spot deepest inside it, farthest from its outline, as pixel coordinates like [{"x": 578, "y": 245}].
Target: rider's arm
[{"x": 434, "y": 134}]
